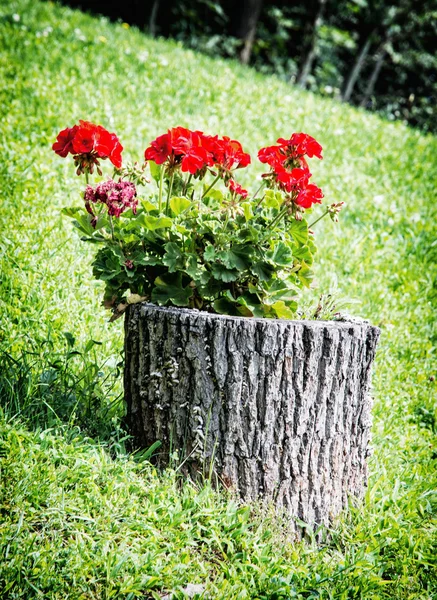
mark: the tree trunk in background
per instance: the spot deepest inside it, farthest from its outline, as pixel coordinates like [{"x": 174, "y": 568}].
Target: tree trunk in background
[
  {"x": 355, "y": 73},
  {"x": 251, "y": 10},
  {"x": 275, "y": 410},
  {"x": 379, "y": 61},
  {"x": 152, "y": 19},
  {"x": 307, "y": 65}
]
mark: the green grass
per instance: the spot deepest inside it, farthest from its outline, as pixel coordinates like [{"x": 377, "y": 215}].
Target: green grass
[{"x": 80, "y": 519}]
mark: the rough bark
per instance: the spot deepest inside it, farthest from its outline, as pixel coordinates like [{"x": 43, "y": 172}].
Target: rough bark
[
  {"x": 379, "y": 62},
  {"x": 251, "y": 10},
  {"x": 278, "y": 410},
  {"x": 356, "y": 70},
  {"x": 152, "y": 18},
  {"x": 307, "y": 65}
]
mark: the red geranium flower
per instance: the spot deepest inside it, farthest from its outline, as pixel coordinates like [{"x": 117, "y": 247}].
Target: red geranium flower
[
  {"x": 309, "y": 196},
  {"x": 64, "y": 141},
  {"x": 188, "y": 145},
  {"x": 89, "y": 142},
  {"x": 236, "y": 188},
  {"x": 302, "y": 144},
  {"x": 293, "y": 180},
  {"x": 159, "y": 150},
  {"x": 230, "y": 154},
  {"x": 193, "y": 151},
  {"x": 181, "y": 147},
  {"x": 272, "y": 155}
]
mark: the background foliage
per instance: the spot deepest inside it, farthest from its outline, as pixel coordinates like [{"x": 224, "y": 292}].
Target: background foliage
[
  {"x": 378, "y": 54},
  {"x": 81, "y": 518}
]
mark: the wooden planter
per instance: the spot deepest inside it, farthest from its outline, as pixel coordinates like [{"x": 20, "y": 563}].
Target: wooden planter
[{"x": 278, "y": 410}]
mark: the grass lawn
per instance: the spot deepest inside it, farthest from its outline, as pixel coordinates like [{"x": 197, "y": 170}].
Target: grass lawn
[{"x": 80, "y": 518}]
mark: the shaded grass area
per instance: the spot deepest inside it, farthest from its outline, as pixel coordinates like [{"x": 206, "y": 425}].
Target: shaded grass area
[{"x": 80, "y": 519}]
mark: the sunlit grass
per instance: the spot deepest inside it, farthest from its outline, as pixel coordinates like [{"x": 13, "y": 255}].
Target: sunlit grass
[{"x": 79, "y": 524}]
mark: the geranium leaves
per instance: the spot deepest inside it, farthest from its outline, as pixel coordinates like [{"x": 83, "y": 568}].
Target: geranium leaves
[
  {"x": 170, "y": 290},
  {"x": 179, "y": 205},
  {"x": 154, "y": 223},
  {"x": 281, "y": 254},
  {"x": 224, "y": 274},
  {"x": 174, "y": 259},
  {"x": 198, "y": 253}
]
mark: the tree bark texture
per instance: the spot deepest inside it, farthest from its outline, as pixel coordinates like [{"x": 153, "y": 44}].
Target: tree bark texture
[
  {"x": 379, "y": 62},
  {"x": 276, "y": 410},
  {"x": 307, "y": 66},
  {"x": 251, "y": 10},
  {"x": 356, "y": 70}
]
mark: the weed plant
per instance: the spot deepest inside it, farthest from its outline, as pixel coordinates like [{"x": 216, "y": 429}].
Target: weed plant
[{"x": 81, "y": 519}]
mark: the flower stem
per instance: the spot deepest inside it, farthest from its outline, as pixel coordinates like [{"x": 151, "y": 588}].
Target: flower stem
[
  {"x": 161, "y": 182},
  {"x": 259, "y": 201},
  {"x": 257, "y": 192},
  {"x": 186, "y": 184},
  {"x": 277, "y": 218},
  {"x": 170, "y": 188},
  {"x": 112, "y": 226},
  {"x": 87, "y": 178},
  {"x": 319, "y": 219},
  {"x": 210, "y": 187}
]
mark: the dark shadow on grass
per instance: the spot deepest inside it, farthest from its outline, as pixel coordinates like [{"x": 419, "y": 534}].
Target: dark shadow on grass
[{"x": 48, "y": 389}]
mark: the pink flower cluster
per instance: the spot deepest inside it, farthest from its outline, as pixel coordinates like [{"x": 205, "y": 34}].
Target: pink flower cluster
[
  {"x": 289, "y": 169},
  {"x": 117, "y": 195}
]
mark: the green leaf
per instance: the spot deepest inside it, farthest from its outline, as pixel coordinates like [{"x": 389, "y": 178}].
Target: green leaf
[
  {"x": 155, "y": 170},
  {"x": 224, "y": 306},
  {"x": 282, "y": 289},
  {"x": 83, "y": 223},
  {"x": 299, "y": 231},
  {"x": 169, "y": 289},
  {"x": 283, "y": 311},
  {"x": 252, "y": 303},
  {"x": 148, "y": 206},
  {"x": 209, "y": 287},
  {"x": 303, "y": 253},
  {"x": 178, "y": 205},
  {"x": 182, "y": 230},
  {"x": 272, "y": 199},
  {"x": 153, "y": 223},
  {"x": 72, "y": 211},
  {"x": 305, "y": 275},
  {"x": 281, "y": 254},
  {"x": 106, "y": 265},
  {"x": 263, "y": 270},
  {"x": 221, "y": 273},
  {"x": 118, "y": 252},
  {"x": 71, "y": 340},
  {"x": 208, "y": 225},
  {"x": 249, "y": 234},
  {"x": 237, "y": 257},
  {"x": 141, "y": 258},
  {"x": 173, "y": 257},
  {"x": 90, "y": 344},
  {"x": 209, "y": 253},
  {"x": 214, "y": 194},
  {"x": 192, "y": 268},
  {"x": 247, "y": 207}
]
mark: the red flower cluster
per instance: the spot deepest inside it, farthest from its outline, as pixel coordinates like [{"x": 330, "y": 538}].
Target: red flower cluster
[
  {"x": 117, "y": 195},
  {"x": 88, "y": 142},
  {"x": 289, "y": 169},
  {"x": 193, "y": 152},
  {"x": 236, "y": 188}
]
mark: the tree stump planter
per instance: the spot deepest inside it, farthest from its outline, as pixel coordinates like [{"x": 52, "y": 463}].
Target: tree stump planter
[{"x": 279, "y": 410}]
